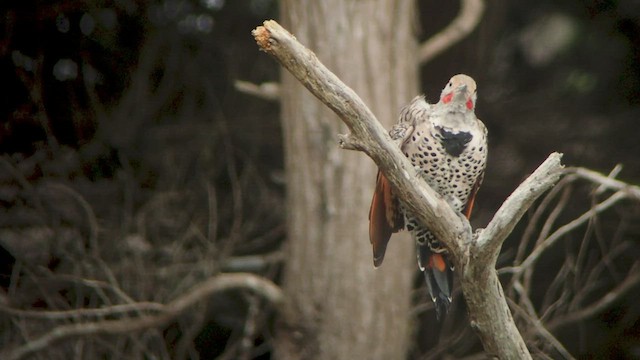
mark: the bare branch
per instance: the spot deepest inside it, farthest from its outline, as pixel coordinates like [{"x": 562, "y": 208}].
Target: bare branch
[
  {"x": 529, "y": 314},
  {"x": 624, "y": 191},
  {"x": 470, "y": 14},
  {"x": 541, "y": 331},
  {"x": 252, "y": 263},
  {"x": 612, "y": 175},
  {"x": 80, "y": 313},
  {"x": 632, "y": 280},
  {"x": 365, "y": 129},
  {"x": 563, "y": 230},
  {"x": 490, "y": 240},
  {"x": 605, "y": 181},
  {"x": 170, "y": 312},
  {"x": 249, "y": 330},
  {"x": 535, "y": 218},
  {"x": 266, "y": 91},
  {"x": 488, "y": 309}
]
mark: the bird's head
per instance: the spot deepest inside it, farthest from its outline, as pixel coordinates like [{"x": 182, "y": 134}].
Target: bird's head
[{"x": 461, "y": 89}]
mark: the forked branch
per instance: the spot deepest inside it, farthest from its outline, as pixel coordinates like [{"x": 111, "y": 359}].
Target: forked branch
[{"x": 488, "y": 309}]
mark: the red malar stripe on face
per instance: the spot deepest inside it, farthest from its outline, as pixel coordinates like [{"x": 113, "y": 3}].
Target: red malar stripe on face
[
  {"x": 469, "y": 104},
  {"x": 447, "y": 98}
]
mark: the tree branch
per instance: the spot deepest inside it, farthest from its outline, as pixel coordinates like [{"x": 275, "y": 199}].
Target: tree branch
[
  {"x": 170, "y": 312},
  {"x": 490, "y": 239},
  {"x": 367, "y": 134},
  {"x": 470, "y": 14},
  {"x": 267, "y": 91},
  {"x": 567, "y": 228},
  {"x": 488, "y": 309},
  {"x": 630, "y": 282},
  {"x": 606, "y": 182}
]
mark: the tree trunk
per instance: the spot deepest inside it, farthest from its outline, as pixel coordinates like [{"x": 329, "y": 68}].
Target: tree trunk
[{"x": 338, "y": 305}]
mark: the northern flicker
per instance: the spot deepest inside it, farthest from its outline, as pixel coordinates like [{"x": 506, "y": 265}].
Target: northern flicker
[{"x": 447, "y": 143}]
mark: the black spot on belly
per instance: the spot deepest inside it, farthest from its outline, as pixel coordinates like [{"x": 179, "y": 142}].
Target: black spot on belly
[{"x": 454, "y": 143}]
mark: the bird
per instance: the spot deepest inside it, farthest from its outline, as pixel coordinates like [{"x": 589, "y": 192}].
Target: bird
[{"x": 447, "y": 144}]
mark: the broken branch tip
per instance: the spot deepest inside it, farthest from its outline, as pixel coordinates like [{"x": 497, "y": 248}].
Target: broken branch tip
[
  {"x": 263, "y": 37},
  {"x": 347, "y": 142}
]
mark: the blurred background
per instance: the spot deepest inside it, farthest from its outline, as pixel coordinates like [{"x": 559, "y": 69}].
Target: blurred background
[{"x": 141, "y": 145}]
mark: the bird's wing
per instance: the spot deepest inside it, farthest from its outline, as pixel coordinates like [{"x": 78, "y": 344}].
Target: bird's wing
[
  {"x": 476, "y": 186},
  {"x": 385, "y": 216},
  {"x": 472, "y": 196}
]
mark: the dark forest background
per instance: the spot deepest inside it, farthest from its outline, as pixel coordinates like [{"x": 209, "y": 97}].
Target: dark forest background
[{"x": 127, "y": 128}]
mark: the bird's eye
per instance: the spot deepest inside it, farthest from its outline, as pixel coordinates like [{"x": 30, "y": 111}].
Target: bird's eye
[{"x": 449, "y": 84}]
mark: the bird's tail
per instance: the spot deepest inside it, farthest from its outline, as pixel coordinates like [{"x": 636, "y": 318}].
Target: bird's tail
[{"x": 438, "y": 273}]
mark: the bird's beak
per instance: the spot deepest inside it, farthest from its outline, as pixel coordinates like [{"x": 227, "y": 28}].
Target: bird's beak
[{"x": 461, "y": 91}]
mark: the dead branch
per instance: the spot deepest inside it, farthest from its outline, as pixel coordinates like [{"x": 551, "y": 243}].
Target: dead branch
[
  {"x": 114, "y": 310},
  {"x": 565, "y": 229},
  {"x": 471, "y": 12},
  {"x": 562, "y": 305},
  {"x": 606, "y": 182},
  {"x": 488, "y": 309},
  {"x": 267, "y": 91},
  {"x": 256, "y": 284},
  {"x": 490, "y": 240},
  {"x": 367, "y": 134},
  {"x": 631, "y": 281},
  {"x": 542, "y": 332}
]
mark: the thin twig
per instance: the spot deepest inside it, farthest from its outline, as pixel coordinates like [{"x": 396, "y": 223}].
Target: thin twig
[
  {"x": 249, "y": 329},
  {"x": 533, "y": 320},
  {"x": 90, "y": 214},
  {"x": 546, "y": 229},
  {"x": 266, "y": 91},
  {"x": 565, "y": 229},
  {"x": 535, "y": 218},
  {"x": 632, "y": 280},
  {"x": 612, "y": 175},
  {"x": 83, "y": 313},
  {"x": 605, "y": 181},
  {"x": 172, "y": 310}
]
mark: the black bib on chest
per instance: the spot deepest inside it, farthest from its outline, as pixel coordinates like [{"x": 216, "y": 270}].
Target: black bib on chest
[{"x": 454, "y": 143}]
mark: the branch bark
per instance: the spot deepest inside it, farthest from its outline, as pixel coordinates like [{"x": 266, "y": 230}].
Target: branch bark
[{"x": 488, "y": 309}]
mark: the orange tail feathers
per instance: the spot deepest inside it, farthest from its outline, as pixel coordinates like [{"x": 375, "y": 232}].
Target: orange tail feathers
[
  {"x": 438, "y": 274},
  {"x": 384, "y": 218}
]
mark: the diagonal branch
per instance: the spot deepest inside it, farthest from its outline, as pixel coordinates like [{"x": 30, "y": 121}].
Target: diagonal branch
[
  {"x": 488, "y": 309},
  {"x": 470, "y": 14},
  {"x": 367, "y": 134},
  {"x": 490, "y": 240}
]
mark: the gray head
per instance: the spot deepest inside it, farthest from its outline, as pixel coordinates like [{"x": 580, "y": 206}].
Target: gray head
[{"x": 461, "y": 89}]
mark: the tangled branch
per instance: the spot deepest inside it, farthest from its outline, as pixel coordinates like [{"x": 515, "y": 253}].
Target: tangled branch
[{"x": 166, "y": 313}]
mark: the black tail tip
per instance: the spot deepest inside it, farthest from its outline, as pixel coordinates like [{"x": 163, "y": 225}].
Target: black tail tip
[
  {"x": 439, "y": 285},
  {"x": 442, "y": 304}
]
